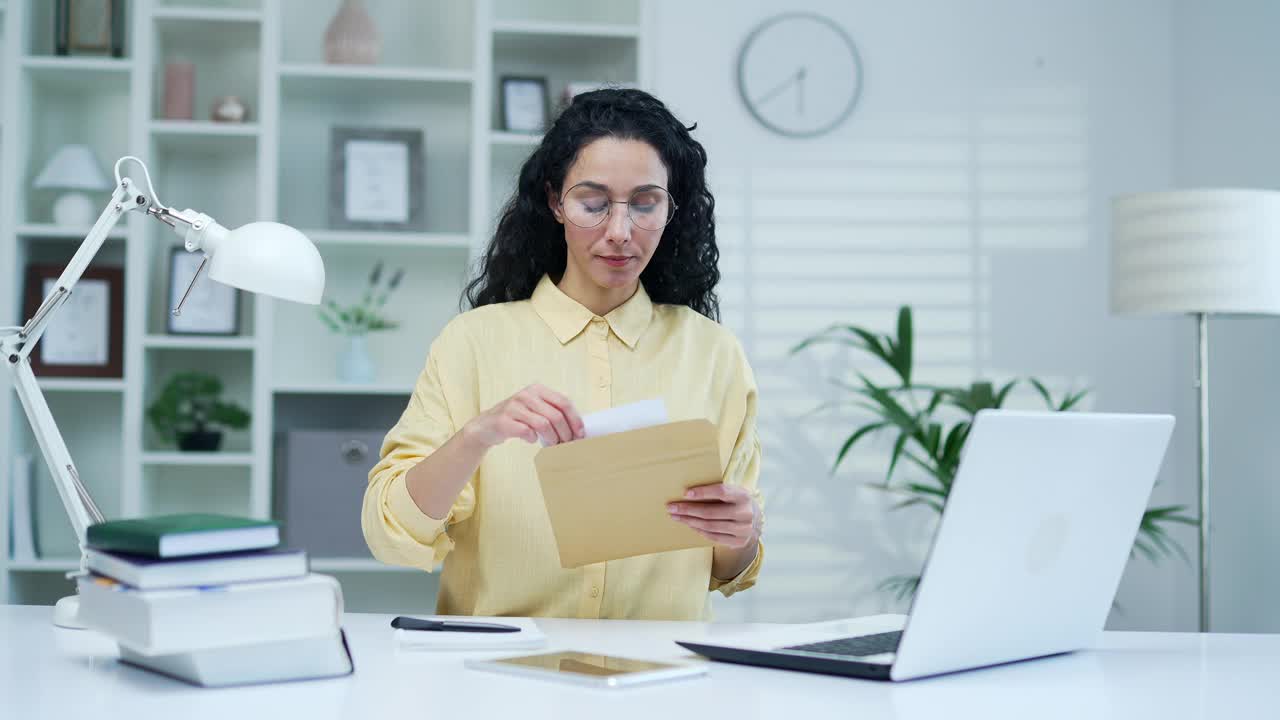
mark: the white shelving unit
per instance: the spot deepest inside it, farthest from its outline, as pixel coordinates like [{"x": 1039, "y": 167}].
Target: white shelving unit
[{"x": 439, "y": 72}]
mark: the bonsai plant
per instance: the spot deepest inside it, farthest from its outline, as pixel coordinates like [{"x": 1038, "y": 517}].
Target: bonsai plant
[
  {"x": 357, "y": 320},
  {"x": 190, "y": 413},
  {"x": 929, "y": 425}
]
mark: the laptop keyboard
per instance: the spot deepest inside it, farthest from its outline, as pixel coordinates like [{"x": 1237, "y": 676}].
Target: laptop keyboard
[{"x": 854, "y": 646}]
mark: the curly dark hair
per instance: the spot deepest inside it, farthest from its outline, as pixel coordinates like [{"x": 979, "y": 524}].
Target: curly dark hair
[{"x": 529, "y": 242}]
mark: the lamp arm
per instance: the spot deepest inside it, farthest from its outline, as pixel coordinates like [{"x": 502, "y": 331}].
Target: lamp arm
[
  {"x": 16, "y": 345},
  {"x": 124, "y": 199}
]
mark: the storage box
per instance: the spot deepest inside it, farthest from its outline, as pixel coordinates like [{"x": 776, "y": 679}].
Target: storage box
[{"x": 320, "y": 488}]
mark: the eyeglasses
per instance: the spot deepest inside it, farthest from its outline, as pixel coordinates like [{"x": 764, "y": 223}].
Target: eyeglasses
[{"x": 587, "y": 206}]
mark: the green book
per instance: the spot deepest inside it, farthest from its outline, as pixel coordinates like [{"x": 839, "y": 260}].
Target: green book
[{"x": 168, "y": 536}]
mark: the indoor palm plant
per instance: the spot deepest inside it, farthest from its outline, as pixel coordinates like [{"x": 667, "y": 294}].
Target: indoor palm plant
[
  {"x": 929, "y": 425},
  {"x": 191, "y": 413}
]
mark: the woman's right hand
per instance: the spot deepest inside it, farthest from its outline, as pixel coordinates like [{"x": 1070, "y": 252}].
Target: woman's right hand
[{"x": 534, "y": 412}]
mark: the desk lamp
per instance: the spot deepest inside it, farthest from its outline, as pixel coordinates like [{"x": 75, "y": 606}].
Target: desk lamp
[{"x": 261, "y": 257}]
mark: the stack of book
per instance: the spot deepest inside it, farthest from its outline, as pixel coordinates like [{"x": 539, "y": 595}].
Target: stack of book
[{"x": 212, "y": 600}]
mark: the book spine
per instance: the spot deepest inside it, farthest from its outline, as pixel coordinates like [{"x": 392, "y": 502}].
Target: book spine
[
  {"x": 22, "y": 534},
  {"x": 116, "y": 540}
]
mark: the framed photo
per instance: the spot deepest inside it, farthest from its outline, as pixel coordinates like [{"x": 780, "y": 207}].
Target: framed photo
[
  {"x": 212, "y": 308},
  {"x": 524, "y": 104},
  {"x": 376, "y": 179},
  {"x": 85, "y": 338},
  {"x": 90, "y": 26}
]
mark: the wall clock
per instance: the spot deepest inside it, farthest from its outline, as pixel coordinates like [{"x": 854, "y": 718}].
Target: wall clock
[{"x": 799, "y": 74}]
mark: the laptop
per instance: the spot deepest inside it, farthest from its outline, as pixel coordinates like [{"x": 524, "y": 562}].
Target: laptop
[{"x": 1025, "y": 563}]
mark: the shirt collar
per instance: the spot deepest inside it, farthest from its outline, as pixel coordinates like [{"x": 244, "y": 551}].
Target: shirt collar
[{"x": 567, "y": 318}]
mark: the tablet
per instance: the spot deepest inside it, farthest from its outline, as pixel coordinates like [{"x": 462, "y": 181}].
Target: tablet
[{"x": 588, "y": 669}]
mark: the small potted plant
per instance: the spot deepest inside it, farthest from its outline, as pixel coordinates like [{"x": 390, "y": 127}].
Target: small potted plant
[
  {"x": 190, "y": 413},
  {"x": 357, "y": 320}
]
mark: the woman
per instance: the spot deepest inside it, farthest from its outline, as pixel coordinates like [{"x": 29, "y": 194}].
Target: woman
[{"x": 597, "y": 290}]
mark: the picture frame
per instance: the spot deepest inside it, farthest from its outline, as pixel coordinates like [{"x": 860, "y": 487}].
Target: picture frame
[
  {"x": 89, "y": 27},
  {"x": 376, "y": 179},
  {"x": 85, "y": 338},
  {"x": 525, "y": 105},
  {"x": 212, "y": 308}
]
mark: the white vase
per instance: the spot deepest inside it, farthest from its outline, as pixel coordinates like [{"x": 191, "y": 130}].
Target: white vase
[
  {"x": 355, "y": 365},
  {"x": 352, "y": 37}
]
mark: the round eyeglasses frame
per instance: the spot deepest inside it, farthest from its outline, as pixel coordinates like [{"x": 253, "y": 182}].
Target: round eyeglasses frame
[{"x": 670, "y": 216}]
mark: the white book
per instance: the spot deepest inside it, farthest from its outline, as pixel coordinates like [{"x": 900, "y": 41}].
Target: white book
[
  {"x": 147, "y": 573},
  {"x": 305, "y": 658},
  {"x": 529, "y": 637},
  {"x": 21, "y": 532},
  {"x": 159, "y": 622}
]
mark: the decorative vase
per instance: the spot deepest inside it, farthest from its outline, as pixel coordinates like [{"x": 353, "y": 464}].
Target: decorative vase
[
  {"x": 200, "y": 441},
  {"x": 229, "y": 109},
  {"x": 354, "y": 363},
  {"x": 352, "y": 38},
  {"x": 179, "y": 90}
]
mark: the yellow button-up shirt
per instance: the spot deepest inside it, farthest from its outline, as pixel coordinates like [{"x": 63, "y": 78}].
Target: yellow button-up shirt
[{"x": 496, "y": 542}]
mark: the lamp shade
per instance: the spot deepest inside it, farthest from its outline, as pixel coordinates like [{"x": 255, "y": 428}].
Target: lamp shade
[
  {"x": 73, "y": 167},
  {"x": 267, "y": 258},
  {"x": 1196, "y": 251}
]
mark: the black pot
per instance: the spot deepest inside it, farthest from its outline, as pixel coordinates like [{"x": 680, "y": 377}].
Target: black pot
[{"x": 200, "y": 441}]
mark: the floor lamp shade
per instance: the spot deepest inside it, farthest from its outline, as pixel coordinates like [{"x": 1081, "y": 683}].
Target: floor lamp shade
[{"x": 1196, "y": 251}]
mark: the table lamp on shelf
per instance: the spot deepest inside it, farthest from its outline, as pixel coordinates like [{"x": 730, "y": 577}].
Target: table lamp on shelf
[
  {"x": 261, "y": 257},
  {"x": 1199, "y": 252},
  {"x": 75, "y": 170}
]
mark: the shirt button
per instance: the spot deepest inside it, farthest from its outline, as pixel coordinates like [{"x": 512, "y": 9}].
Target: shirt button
[
  {"x": 595, "y": 592},
  {"x": 603, "y": 382}
]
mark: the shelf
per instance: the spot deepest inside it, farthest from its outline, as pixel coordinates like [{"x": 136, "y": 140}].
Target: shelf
[
  {"x": 565, "y": 29},
  {"x": 197, "y": 459},
  {"x": 81, "y": 384},
  {"x": 213, "y": 15},
  {"x": 47, "y": 230},
  {"x": 499, "y": 137},
  {"x": 339, "y": 388},
  {"x": 203, "y": 136},
  {"x": 377, "y": 238},
  {"x": 45, "y": 565},
  {"x": 76, "y": 72},
  {"x": 182, "y": 342},
  {"x": 188, "y": 128},
  {"x": 319, "y": 72},
  {"x": 356, "y": 565}
]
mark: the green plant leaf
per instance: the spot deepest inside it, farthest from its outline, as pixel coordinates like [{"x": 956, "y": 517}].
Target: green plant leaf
[
  {"x": 898, "y": 445},
  {"x": 902, "y": 587},
  {"x": 1044, "y": 392},
  {"x": 854, "y": 438},
  {"x": 1071, "y": 400},
  {"x": 904, "y": 347},
  {"x": 1004, "y": 393}
]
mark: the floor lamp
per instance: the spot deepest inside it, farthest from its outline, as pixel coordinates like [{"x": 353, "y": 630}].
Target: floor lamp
[
  {"x": 1201, "y": 252},
  {"x": 261, "y": 257}
]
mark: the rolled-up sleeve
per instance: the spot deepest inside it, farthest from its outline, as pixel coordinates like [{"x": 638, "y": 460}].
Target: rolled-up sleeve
[
  {"x": 743, "y": 469},
  {"x": 397, "y": 531}
]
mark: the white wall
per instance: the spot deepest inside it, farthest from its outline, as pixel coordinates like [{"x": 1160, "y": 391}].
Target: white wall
[
  {"x": 1227, "y": 104},
  {"x": 972, "y": 181}
]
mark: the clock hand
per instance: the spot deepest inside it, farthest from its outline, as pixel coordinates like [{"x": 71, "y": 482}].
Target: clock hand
[
  {"x": 777, "y": 90},
  {"x": 800, "y": 90}
]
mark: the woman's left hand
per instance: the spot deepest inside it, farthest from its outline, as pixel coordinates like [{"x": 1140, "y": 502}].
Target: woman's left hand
[{"x": 725, "y": 514}]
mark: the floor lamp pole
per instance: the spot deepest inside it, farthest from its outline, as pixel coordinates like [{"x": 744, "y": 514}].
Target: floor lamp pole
[{"x": 1202, "y": 431}]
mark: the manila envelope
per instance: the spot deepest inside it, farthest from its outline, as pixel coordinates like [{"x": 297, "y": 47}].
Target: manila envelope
[{"x": 607, "y": 496}]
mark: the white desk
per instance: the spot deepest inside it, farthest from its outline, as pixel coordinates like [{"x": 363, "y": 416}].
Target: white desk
[{"x": 47, "y": 672}]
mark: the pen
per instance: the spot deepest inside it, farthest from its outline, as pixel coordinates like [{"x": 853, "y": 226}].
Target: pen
[{"x": 409, "y": 623}]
